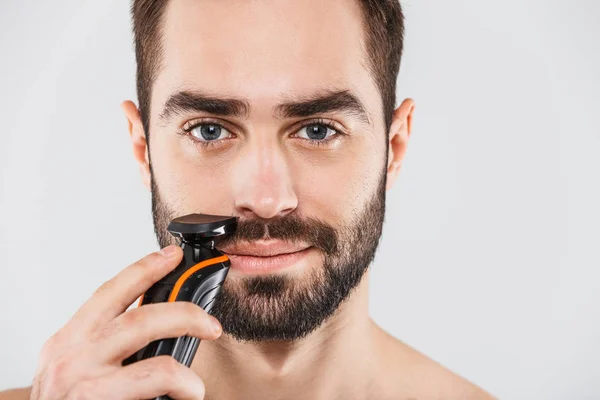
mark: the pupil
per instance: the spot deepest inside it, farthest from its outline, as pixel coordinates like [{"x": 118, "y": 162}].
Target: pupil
[
  {"x": 317, "y": 132},
  {"x": 210, "y": 132}
]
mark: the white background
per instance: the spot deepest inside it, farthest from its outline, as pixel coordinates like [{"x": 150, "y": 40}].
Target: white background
[{"x": 490, "y": 254}]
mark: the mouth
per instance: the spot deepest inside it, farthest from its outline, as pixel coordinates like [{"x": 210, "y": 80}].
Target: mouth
[{"x": 265, "y": 256}]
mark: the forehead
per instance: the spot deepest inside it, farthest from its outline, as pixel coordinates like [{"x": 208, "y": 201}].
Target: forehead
[{"x": 262, "y": 50}]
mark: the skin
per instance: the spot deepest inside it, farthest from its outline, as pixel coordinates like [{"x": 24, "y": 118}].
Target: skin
[{"x": 266, "y": 171}]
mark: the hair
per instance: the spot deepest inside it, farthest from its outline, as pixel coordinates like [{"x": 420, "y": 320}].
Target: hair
[{"x": 383, "y": 21}]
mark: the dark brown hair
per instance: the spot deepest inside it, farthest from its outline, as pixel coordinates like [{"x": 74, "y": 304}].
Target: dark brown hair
[{"x": 384, "y": 27}]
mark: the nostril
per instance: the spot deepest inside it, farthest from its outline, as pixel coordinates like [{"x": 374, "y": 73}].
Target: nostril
[{"x": 264, "y": 201}]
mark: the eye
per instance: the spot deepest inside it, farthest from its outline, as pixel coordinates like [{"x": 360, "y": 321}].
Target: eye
[
  {"x": 317, "y": 132},
  {"x": 207, "y": 132}
]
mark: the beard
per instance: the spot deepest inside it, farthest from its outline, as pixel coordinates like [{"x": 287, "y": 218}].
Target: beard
[{"x": 278, "y": 307}]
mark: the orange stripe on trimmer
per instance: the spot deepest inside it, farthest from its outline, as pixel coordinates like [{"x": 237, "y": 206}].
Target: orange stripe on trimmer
[
  {"x": 186, "y": 274},
  {"x": 189, "y": 272}
]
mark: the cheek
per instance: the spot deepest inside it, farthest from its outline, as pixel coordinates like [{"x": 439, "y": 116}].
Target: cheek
[
  {"x": 189, "y": 182},
  {"x": 337, "y": 189}
]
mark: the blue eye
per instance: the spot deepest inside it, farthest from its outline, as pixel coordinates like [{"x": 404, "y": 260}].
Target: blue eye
[
  {"x": 209, "y": 132},
  {"x": 316, "y": 132}
]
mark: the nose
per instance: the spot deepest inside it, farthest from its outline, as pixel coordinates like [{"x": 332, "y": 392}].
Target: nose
[{"x": 263, "y": 185}]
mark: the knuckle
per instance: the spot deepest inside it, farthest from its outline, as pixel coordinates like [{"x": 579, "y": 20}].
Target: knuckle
[
  {"x": 192, "y": 310},
  {"x": 133, "y": 317},
  {"x": 144, "y": 370},
  {"x": 148, "y": 271},
  {"x": 56, "y": 375},
  {"x": 148, "y": 276},
  {"x": 78, "y": 316},
  {"x": 171, "y": 375},
  {"x": 82, "y": 391},
  {"x": 48, "y": 349},
  {"x": 196, "y": 321},
  {"x": 104, "y": 332},
  {"x": 150, "y": 259},
  {"x": 169, "y": 368},
  {"x": 57, "y": 339},
  {"x": 103, "y": 289},
  {"x": 193, "y": 318}
]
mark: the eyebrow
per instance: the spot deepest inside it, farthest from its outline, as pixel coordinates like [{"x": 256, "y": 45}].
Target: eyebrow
[
  {"x": 303, "y": 106},
  {"x": 186, "y": 101},
  {"x": 327, "y": 101}
]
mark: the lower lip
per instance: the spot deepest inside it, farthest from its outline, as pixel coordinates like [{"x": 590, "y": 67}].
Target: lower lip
[{"x": 258, "y": 265}]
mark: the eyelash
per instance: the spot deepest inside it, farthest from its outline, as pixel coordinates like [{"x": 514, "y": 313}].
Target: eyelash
[{"x": 317, "y": 121}]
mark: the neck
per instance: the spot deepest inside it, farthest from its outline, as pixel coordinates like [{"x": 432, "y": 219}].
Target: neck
[{"x": 335, "y": 361}]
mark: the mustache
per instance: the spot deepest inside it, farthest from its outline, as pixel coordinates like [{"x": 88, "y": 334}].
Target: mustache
[{"x": 313, "y": 231}]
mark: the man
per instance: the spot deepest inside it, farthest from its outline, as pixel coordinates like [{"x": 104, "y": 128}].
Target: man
[{"x": 282, "y": 114}]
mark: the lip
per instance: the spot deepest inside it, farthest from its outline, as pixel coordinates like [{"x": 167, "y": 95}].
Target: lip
[
  {"x": 265, "y": 256},
  {"x": 264, "y": 248}
]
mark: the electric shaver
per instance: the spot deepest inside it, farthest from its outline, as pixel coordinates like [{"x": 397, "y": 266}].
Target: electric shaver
[{"x": 198, "y": 279}]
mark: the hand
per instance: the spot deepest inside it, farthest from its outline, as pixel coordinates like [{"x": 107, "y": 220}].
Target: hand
[{"x": 83, "y": 360}]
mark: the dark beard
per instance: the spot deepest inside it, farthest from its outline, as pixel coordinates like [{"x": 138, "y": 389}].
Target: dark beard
[{"x": 276, "y": 307}]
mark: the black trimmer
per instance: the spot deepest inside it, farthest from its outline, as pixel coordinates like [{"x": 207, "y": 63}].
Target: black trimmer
[{"x": 198, "y": 279}]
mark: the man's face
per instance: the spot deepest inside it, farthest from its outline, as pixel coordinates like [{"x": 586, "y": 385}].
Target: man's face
[{"x": 297, "y": 150}]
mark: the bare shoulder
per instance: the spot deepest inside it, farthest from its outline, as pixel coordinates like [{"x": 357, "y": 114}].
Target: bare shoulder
[
  {"x": 411, "y": 375},
  {"x": 16, "y": 394}
]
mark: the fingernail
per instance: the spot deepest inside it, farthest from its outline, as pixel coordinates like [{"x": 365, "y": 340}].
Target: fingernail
[
  {"x": 216, "y": 325},
  {"x": 168, "y": 251}
]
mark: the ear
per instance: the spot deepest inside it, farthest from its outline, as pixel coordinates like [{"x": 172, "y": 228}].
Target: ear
[
  {"x": 399, "y": 133},
  {"x": 138, "y": 140}
]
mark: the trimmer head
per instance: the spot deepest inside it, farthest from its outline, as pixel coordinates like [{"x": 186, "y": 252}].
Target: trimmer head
[{"x": 201, "y": 228}]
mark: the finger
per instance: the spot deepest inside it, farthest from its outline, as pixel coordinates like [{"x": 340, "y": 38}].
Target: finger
[
  {"x": 136, "y": 328},
  {"x": 114, "y": 296},
  {"x": 146, "y": 379}
]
